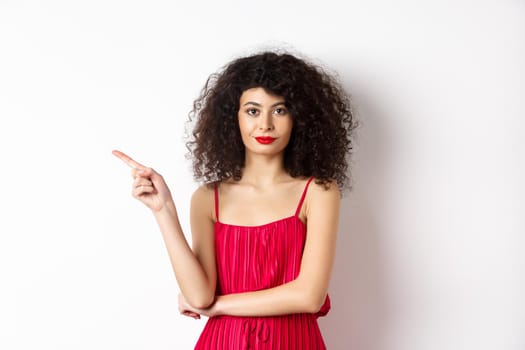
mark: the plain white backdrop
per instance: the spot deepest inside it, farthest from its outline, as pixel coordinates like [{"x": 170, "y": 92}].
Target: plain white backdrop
[{"x": 431, "y": 238}]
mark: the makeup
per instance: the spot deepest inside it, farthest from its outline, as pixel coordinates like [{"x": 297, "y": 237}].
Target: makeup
[{"x": 265, "y": 139}]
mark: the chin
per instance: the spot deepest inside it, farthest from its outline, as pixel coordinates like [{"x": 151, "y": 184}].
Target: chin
[{"x": 268, "y": 152}]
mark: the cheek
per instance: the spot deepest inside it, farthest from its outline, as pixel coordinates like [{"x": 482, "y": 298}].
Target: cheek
[
  {"x": 288, "y": 125},
  {"x": 240, "y": 123},
  {"x": 244, "y": 127}
]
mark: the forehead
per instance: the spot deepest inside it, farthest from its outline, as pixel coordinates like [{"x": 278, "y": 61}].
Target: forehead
[{"x": 259, "y": 95}]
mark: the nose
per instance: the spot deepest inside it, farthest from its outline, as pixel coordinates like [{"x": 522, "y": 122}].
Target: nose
[{"x": 266, "y": 122}]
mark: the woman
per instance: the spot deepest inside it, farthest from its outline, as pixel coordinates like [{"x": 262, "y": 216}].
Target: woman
[{"x": 270, "y": 143}]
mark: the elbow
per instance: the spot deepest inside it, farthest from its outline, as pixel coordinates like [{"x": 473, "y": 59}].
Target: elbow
[
  {"x": 313, "y": 298},
  {"x": 314, "y": 301},
  {"x": 201, "y": 302},
  {"x": 199, "y": 298},
  {"x": 314, "y": 305}
]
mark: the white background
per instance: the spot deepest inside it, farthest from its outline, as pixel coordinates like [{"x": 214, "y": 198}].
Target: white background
[{"x": 431, "y": 238}]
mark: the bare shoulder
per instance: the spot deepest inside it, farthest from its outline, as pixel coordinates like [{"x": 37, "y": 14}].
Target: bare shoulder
[
  {"x": 322, "y": 197},
  {"x": 202, "y": 192},
  {"x": 202, "y": 201},
  {"x": 329, "y": 189}
]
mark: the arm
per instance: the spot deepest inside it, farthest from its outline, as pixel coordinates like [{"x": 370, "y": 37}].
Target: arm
[
  {"x": 308, "y": 291},
  {"x": 194, "y": 268}
]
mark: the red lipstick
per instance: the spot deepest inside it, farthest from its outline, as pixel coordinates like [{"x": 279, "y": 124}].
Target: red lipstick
[{"x": 265, "y": 139}]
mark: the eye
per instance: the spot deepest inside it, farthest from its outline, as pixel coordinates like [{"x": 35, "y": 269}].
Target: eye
[
  {"x": 251, "y": 111},
  {"x": 281, "y": 111}
]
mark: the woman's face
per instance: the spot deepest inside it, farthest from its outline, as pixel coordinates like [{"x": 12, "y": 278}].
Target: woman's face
[{"x": 264, "y": 115}]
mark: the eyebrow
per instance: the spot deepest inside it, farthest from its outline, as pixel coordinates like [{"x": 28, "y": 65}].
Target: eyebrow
[{"x": 259, "y": 105}]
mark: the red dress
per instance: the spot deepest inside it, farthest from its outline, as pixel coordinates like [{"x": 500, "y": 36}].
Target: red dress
[{"x": 251, "y": 258}]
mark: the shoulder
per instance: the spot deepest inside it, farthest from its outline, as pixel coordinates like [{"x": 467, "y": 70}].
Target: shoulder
[
  {"x": 202, "y": 200},
  {"x": 206, "y": 192},
  {"x": 329, "y": 188},
  {"x": 203, "y": 191},
  {"x": 322, "y": 197}
]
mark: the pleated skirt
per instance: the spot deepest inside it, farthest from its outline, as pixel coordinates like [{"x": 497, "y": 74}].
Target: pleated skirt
[{"x": 288, "y": 332}]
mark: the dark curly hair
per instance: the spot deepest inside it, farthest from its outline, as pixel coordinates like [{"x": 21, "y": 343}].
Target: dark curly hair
[{"x": 320, "y": 108}]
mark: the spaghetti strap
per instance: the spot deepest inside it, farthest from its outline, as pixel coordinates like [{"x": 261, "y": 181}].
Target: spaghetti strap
[
  {"x": 216, "y": 201},
  {"x": 302, "y": 197}
]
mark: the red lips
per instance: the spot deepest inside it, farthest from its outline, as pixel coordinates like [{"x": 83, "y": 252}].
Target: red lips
[{"x": 265, "y": 139}]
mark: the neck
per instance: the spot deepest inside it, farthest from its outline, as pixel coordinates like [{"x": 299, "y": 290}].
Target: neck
[{"x": 262, "y": 170}]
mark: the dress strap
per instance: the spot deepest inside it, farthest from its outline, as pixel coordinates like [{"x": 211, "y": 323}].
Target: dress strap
[
  {"x": 216, "y": 201},
  {"x": 302, "y": 197}
]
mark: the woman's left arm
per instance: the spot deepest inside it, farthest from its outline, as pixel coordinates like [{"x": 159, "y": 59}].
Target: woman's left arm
[{"x": 307, "y": 292}]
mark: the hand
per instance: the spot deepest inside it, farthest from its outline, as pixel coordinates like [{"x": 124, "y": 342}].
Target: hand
[
  {"x": 188, "y": 310},
  {"x": 149, "y": 186}
]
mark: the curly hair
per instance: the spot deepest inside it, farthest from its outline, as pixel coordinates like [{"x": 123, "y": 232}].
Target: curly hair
[{"x": 323, "y": 121}]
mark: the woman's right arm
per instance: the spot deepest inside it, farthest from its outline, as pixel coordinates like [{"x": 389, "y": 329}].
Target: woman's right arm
[{"x": 195, "y": 268}]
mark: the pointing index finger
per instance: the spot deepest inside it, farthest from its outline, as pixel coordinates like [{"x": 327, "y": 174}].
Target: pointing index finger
[{"x": 126, "y": 159}]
